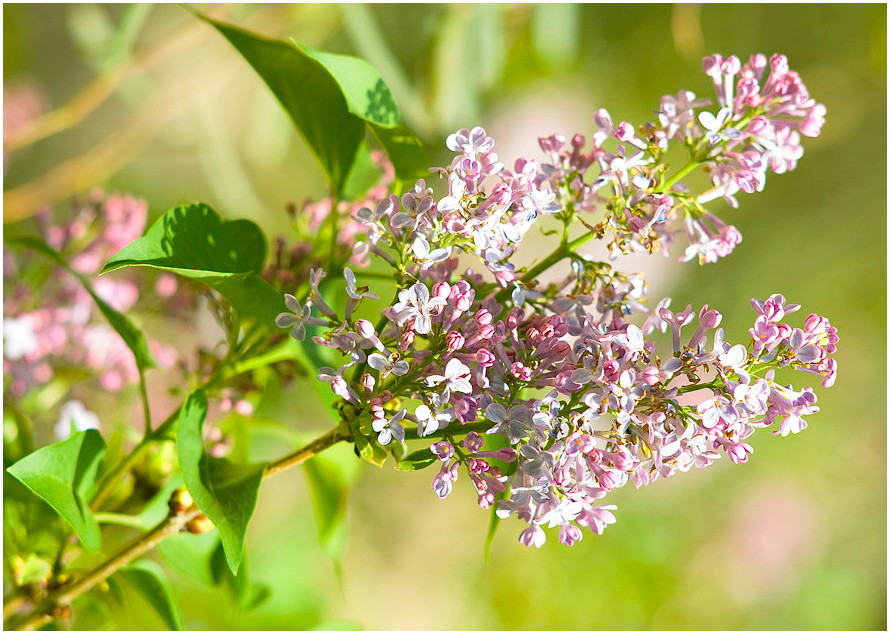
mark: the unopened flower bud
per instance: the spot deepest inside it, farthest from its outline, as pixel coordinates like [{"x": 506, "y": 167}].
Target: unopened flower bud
[
  {"x": 483, "y": 317},
  {"x": 406, "y": 340},
  {"x": 650, "y": 375},
  {"x": 441, "y": 290},
  {"x": 709, "y": 318},
  {"x": 365, "y": 328},
  {"x": 199, "y": 525},
  {"x": 180, "y": 501},
  {"x": 367, "y": 381},
  {"x": 455, "y": 341}
]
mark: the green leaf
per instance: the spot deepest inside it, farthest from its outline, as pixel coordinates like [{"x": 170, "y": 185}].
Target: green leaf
[
  {"x": 328, "y": 489},
  {"x": 224, "y": 491},
  {"x": 311, "y": 97},
  {"x": 417, "y": 460},
  {"x": 369, "y": 450},
  {"x": 346, "y": 96},
  {"x": 149, "y": 580},
  {"x": 131, "y": 335},
  {"x": 63, "y": 475},
  {"x": 189, "y": 555},
  {"x": 227, "y": 255},
  {"x": 194, "y": 241},
  {"x": 248, "y": 596},
  {"x": 367, "y": 95}
]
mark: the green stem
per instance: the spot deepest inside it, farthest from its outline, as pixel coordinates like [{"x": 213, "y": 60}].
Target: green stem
[
  {"x": 304, "y": 453},
  {"x": 48, "y": 610},
  {"x": 106, "y": 484},
  {"x": 683, "y": 171},
  {"x": 146, "y": 412}
]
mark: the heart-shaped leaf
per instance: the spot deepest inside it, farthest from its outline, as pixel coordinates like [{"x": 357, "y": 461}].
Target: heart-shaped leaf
[
  {"x": 63, "y": 475},
  {"x": 348, "y": 96},
  {"x": 310, "y": 96},
  {"x": 367, "y": 95},
  {"x": 226, "y": 255},
  {"x": 225, "y": 492},
  {"x": 195, "y": 242}
]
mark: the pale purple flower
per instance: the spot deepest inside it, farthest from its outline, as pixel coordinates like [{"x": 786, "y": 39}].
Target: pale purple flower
[
  {"x": 533, "y": 536},
  {"x": 424, "y": 256},
  {"x": 715, "y": 126},
  {"x": 415, "y": 302},
  {"x": 356, "y": 292},
  {"x": 315, "y": 277},
  {"x": 338, "y": 384},
  {"x": 456, "y": 378},
  {"x": 515, "y": 424},
  {"x": 389, "y": 429},
  {"x": 297, "y": 318},
  {"x": 470, "y": 142},
  {"x": 432, "y": 419},
  {"x": 598, "y": 517},
  {"x": 386, "y": 365}
]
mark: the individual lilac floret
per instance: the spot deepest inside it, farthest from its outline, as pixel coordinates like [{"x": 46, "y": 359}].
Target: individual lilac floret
[
  {"x": 386, "y": 365},
  {"x": 389, "y": 429},
  {"x": 415, "y": 303},
  {"x": 297, "y": 319}
]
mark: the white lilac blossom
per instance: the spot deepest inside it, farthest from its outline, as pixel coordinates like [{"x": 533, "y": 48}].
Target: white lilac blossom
[{"x": 566, "y": 391}]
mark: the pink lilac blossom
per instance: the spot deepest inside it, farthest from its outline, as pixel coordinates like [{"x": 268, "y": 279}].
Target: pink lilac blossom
[
  {"x": 66, "y": 328},
  {"x": 560, "y": 397}
]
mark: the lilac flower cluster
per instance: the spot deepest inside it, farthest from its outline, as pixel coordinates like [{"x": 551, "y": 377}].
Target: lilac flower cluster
[{"x": 550, "y": 396}]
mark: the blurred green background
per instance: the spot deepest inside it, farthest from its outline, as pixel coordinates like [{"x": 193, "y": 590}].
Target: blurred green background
[{"x": 149, "y": 101}]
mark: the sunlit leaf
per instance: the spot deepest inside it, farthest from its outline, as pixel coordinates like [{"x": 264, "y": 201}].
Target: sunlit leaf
[
  {"x": 311, "y": 97},
  {"x": 63, "y": 475},
  {"x": 225, "y": 492},
  {"x": 227, "y": 255},
  {"x": 348, "y": 97}
]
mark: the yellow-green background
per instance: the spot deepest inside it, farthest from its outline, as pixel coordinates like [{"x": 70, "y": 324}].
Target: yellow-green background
[{"x": 795, "y": 539}]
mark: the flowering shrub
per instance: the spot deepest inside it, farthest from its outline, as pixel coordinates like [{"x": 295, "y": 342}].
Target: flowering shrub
[{"x": 547, "y": 393}]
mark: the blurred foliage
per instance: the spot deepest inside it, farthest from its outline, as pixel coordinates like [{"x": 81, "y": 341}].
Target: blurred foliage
[{"x": 146, "y": 99}]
